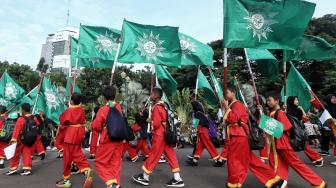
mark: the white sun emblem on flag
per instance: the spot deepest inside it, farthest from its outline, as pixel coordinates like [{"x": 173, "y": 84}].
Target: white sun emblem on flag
[
  {"x": 150, "y": 46},
  {"x": 106, "y": 43},
  {"x": 51, "y": 99},
  {"x": 271, "y": 124},
  {"x": 10, "y": 91},
  {"x": 4, "y": 102},
  {"x": 94, "y": 60},
  {"x": 187, "y": 46},
  {"x": 260, "y": 24}
]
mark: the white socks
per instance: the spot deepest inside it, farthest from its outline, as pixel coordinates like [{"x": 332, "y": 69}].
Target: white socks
[
  {"x": 177, "y": 176},
  {"x": 146, "y": 176},
  {"x": 2, "y": 161}
]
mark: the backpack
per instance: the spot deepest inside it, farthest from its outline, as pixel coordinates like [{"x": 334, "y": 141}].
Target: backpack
[
  {"x": 256, "y": 136},
  {"x": 117, "y": 127},
  {"x": 7, "y": 129},
  {"x": 30, "y": 130},
  {"x": 297, "y": 134},
  {"x": 212, "y": 129},
  {"x": 172, "y": 132}
]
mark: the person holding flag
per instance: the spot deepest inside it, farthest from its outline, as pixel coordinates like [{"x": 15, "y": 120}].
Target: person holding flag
[
  {"x": 3, "y": 144},
  {"x": 285, "y": 155},
  {"x": 73, "y": 120},
  {"x": 240, "y": 158},
  {"x": 159, "y": 145}
]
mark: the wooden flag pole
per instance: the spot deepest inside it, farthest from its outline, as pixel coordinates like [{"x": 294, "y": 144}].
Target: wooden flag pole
[
  {"x": 115, "y": 62},
  {"x": 216, "y": 90},
  {"x": 285, "y": 77},
  {"x": 251, "y": 73},
  {"x": 76, "y": 65},
  {"x": 240, "y": 91}
]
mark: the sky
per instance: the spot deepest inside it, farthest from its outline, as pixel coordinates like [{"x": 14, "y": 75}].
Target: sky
[{"x": 25, "y": 24}]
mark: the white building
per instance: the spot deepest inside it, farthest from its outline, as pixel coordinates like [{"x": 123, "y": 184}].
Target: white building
[{"x": 56, "y": 50}]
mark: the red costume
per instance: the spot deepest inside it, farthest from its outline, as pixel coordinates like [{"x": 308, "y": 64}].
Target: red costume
[
  {"x": 239, "y": 156},
  {"x": 21, "y": 149},
  {"x": 286, "y": 156},
  {"x": 60, "y": 139},
  {"x": 141, "y": 145},
  {"x": 204, "y": 141},
  {"x": 3, "y": 144},
  {"x": 159, "y": 145},
  {"x": 109, "y": 153},
  {"x": 94, "y": 142},
  {"x": 38, "y": 146},
  {"x": 73, "y": 119}
]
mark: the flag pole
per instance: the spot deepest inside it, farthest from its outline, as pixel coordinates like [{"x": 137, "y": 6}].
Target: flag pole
[
  {"x": 216, "y": 89},
  {"x": 13, "y": 107},
  {"x": 115, "y": 62},
  {"x": 251, "y": 73},
  {"x": 225, "y": 62},
  {"x": 285, "y": 76},
  {"x": 150, "y": 106},
  {"x": 240, "y": 91},
  {"x": 76, "y": 65},
  {"x": 196, "y": 87}
]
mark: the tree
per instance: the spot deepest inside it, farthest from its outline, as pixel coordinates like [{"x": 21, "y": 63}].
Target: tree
[{"x": 42, "y": 66}]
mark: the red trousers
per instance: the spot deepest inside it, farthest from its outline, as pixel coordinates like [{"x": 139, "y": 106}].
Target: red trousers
[
  {"x": 26, "y": 153},
  {"x": 3, "y": 145},
  {"x": 204, "y": 141},
  {"x": 313, "y": 155},
  {"x": 73, "y": 153},
  {"x": 141, "y": 146},
  {"x": 241, "y": 159},
  {"x": 59, "y": 140},
  {"x": 286, "y": 158},
  {"x": 108, "y": 161},
  {"x": 224, "y": 152},
  {"x": 94, "y": 142},
  {"x": 264, "y": 152},
  {"x": 38, "y": 146},
  {"x": 159, "y": 147}
]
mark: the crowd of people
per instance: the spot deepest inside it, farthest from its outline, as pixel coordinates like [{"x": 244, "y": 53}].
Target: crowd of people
[{"x": 33, "y": 134}]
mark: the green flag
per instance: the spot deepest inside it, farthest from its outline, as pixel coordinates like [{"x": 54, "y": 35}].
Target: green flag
[
  {"x": 239, "y": 95},
  {"x": 195, "y": 52},
  {"x": 271, "y": 126},
  {"x": 150, "y": 44},
  {"x": 49, "y": 101},
  {"x": 10, "y": 91},
  {"x": 297, "y": 86},
  {"x": 216, "y": 85},
  {"x": 69, "y": 88},
  {"x": 204, "y": 85},
  {"x": 268, "y": 24},
  {"x": 92, "y": 62},
  {"x": 267, "y": 64},
  {"x": 166, "y": 81},
  {"x": 311, "y": 48},
  {"x": 98, "y": 42}
]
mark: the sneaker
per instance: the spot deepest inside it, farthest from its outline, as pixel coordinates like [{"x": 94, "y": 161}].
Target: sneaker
[
  {"x": 175, "y": 183},
  {"x": 88, "y": 178},
  {"x": 280, "y": 184},
  {"x": 218, "y": 163},
  {"x": 318, "y": 163},
  {"x": 190, "y": 156},
  {"x": 324, "y": 153},
  {"x": 25, "y": 173},
  {"x": 191, "y": 162},
  {"x": 48, "y": 148},
  {"x": 140, "y": 179},
  {"x": 114, "y": 185},
  {"x": 42, "y": 156},
  {"x": 60, "y": 156},
  {"x": 92, "y": 157},
  {"x": 333, "y": 163},
  {"x": 145, "y": 158},
  {"x": 63, "y": 183},
  {"x": 12, "y": 172},
  {"x": 162, "y": 160},
  {"x": 74, "y": 170}
]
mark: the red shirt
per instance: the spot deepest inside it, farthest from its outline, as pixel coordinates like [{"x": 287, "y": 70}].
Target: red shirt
[
  {"x": 136, "y": 128},
  {"x": 72, "y": 120},
  {"x": 283, "y": 141},
  {"x": 99, "y": 123},
  {"x": 20, "y": 123},
  {"x": 159, "y": 119},
  {"x": 236, "y": 112}
]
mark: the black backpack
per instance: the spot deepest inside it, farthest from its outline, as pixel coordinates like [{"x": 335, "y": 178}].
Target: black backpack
[
  {"x": 297, "y": 134},
  {"x": 117, "y": 127},
  {"x": 30, "y": 130},
  {"x": 256, "y": 136},
  {"x": 7, "y": 129},
  {"x": 172, "y": 132}
]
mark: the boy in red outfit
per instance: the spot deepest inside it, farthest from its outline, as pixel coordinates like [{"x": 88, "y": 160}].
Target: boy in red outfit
[
  {"x": 73, "y": 119},
  {"x": 285, "y": 155},
  {"x": 94, "y": 137},
  {"x": 240, "y": 158},
  {"x": 159, "y": 145},
  {"x": 21, "y": 149},
  {"x": 38, "y": 146},
  {"x": 3, "y": 144},
  {"x": 109, "y": 153}
]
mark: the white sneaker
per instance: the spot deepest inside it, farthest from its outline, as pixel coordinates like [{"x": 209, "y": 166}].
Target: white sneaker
[
  {"x": 48, "y": 148},
  {"x": 162, "y": 161},
  {"x": 333, "y": 163}
]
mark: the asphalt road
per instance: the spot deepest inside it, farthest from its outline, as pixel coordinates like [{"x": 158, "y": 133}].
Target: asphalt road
[{"x": 47, "y": 172}]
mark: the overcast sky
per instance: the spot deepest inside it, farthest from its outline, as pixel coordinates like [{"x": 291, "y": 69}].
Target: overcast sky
[{"x": 25, "y": 24}]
